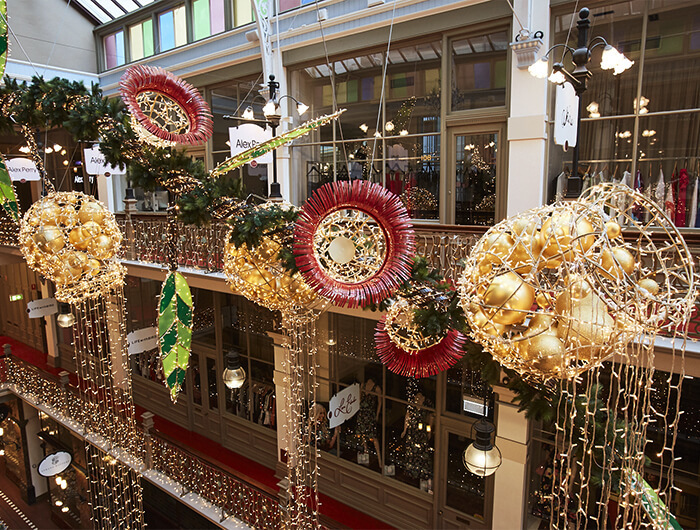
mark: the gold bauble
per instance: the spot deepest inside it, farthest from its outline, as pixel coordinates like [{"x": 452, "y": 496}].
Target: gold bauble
[
  {"x": 587, "y": 327},
  {"x": 67, "y": 217},
  {"x": 543, "y": 299},
  {"x": 612, "y": 228},
  {"x": 561, "y": 237},
  {"x": 49, "y": 239},
  {"x": 48, "y": 213},
  {"x": 91, "y": 211},
  {"x": 616, "y": 261},
  {"x": 73, "y": 264},
  {"x": 101, "y": 247},
  {"x": 649, "y": 285},
  {"x": 498, "y": 246},
  {"x": 92, "y": 267},
  {"x": 546, "y": 345},
  {"x": 539, "y": 323},
  {"x": 480, "y": 321},
  {"x": 509, "y": 298}
]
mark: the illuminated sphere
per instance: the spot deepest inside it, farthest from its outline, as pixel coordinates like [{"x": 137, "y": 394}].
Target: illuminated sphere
[
  {"x": 556, "y": 290},
  {"x": 259, "y": 275},
  {"x": 71, "y": 238}
]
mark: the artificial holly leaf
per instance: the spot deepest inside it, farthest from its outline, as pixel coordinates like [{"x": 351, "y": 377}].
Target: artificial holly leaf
[
  {"x": 278, "y": 141},
  {"x": 175, "y": 330},
  {"x": 8, "y": 199}
]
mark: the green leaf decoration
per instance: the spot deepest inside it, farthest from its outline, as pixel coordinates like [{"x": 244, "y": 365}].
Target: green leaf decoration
[
  {"x": 8, "y": 199},
  {"x": 655, "y": 508},
  {"x": 278, "y": 141},
  {"x": 175, "y": 330},
  {"x": 3, "y": 37}
]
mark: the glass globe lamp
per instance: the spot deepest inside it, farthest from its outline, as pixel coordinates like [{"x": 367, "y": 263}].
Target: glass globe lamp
[
  {"x": 482, "y": 457},
  {"x": 234, "y": 374},
  {"x": 65, "y": 317}
]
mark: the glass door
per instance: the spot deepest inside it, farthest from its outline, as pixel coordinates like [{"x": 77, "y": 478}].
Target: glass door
[
  {"x": 204, "y": 373},
  {"x": 463, "y": 498},
  {"x": 476, "y": 185}
]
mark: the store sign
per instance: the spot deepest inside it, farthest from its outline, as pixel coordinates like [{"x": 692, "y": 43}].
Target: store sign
[
  {"x": 142, "y": 340},
  {"x": 247, "y": 136},
  {"x": 42, "y": 307},
  {"x": 55, "y": 464},
  {"x": 566, "y": 116},
  {"x": 22, "y": 170},
  {"x": 95, "y": 163},
  {"x": 474, "y": 405},
  {"x": 344, "y": 405}
]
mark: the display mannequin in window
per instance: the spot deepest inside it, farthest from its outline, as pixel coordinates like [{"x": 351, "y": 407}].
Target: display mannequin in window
[
  {"x": 324, "y": 439},
  {"x": 417, "y": 433},
  {"x": 368, "y": 417}
]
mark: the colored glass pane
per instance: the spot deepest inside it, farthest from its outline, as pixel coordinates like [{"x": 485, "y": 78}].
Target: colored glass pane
[
  {"x": 216, "y": 14},
  {"x": 136, "y": 42},
  {"x": 243, "y": 12},
  {"x": 180, "y": 26},
  {"x": 166, "y": 25},
  {"x": 148, "y": 42},
  {"x": 201, "y": 21},
  {"x": 286, "y": 5}
]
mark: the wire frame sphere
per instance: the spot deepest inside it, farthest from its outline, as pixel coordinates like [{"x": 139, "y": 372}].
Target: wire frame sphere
[
  {"x": 259, "y": 275},
  {"x": 72, "y": 239},
  {"x": 556, "y": 290},
  {"x": 165, "y": 109},
  {"x": 353, "y": 242},
  {"x": 406, "y": 350}
]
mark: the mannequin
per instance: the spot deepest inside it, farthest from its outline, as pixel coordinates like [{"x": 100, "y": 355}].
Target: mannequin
[{"x": 368, "y": 416}]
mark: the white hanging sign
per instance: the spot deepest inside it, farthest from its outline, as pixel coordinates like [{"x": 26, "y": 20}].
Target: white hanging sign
[
  {"x": 142, "y": 340},
  {"x": 42, "y": 307},
  {"x": 249, "y": 135},
  {"x": 95, "y": 163},
  {"x": 565, "y": 116},
  {"x": 344, "y": 405},
  {"x": 22, "y": 170},
  {"x": 55, "y": 464}
]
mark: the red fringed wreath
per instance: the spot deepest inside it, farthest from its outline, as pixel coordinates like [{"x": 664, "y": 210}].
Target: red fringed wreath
[
  {"x": 387, "y": 211},
  {"x": 141, "y": 79},
  {"x": 421, "y": 363}
]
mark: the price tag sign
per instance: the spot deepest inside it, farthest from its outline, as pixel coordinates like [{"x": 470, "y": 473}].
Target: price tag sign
[
  {"x": 142, "y": 340},
  {"x": 42, "y": 307},
  {"x": 344, "y": 405}
]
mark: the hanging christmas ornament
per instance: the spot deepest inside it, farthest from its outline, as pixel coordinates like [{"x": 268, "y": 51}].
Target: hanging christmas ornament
[
  {"x": 72, "y": 239},
  {"x": 165, "y": 110},
  {"x": 353, "y": 242},
  {"x": 406, "y": 350},
  {"x": 258, "y": 274},
  {"x": 175, "y": 330},
  {"x": 556, "y": 290}
]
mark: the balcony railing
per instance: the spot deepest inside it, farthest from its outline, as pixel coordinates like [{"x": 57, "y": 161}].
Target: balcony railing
[{"x": 151, "y": 451}]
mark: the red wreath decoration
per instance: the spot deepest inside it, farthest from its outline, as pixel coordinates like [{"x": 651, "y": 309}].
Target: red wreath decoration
[
  {"x": 142, "y": 78},
  {"x": 422, "y": 363},
  {"x": 389, "y": 213}
]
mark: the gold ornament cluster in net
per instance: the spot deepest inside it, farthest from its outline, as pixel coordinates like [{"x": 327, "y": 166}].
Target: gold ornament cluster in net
[
  {"x": 72, "y": 239},
  {"x": 350, "y": 246},
  {"x": 259, "y": 275},
  {"x": 558, "y": 289},
  {"x": 402, "y": 330}
]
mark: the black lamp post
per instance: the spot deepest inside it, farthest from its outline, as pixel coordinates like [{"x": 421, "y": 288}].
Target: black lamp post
[
  {"x": 612, "y": 59},
  {"x": 272, "y": 118}
]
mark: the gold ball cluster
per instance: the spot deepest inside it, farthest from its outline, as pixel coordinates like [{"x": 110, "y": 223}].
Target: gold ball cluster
[
  {"x": 558, "y": 289},
  {"x": 71, "y": 238}
]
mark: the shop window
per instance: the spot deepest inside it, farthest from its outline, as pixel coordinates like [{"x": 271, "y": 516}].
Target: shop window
[
  {"x": 233, "y": 99},
  {"x": 475, "y": 186},
  {"x": 400, "y": 149},
  {"x": 479, "y": 71},
  {"x": 141, "y": 41},
  {"x": 114, "y": 49},
  {"x": 207, "y": 18},
  {"x": 203, "y": 326},
  {"x": 393, "y": 431},
  {"x": 172, "y": 28},
  {"x": 467, "y": 394},
  {"x": 245, "y": 327}
]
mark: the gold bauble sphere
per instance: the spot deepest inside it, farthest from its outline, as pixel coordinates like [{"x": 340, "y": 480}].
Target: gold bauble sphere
[
  {"x": 546, "y": 345},
  {"x": 49, "y": 239},
  {"x": 480, "y": 321},
  {"x": 587, "y": 323},
  {"x": 91, "y": 211},
  {"x": 497, "y": 247},
  {"x": 563, "y": 235},
  {"x": 649, "y": 285},
  {"x": 48, "y": 213},
  {"x": 101, "y": 247},
  {"x": 539, "y": 323},
  {"x": 79, "y": 238},
  {"x": 67, "y": 217},
  {"x": 92, "y": 267},
  {"x": 616, "y": 261},
  {"x": 73, "y": 264},
  {"x": 543, "y": 299},
  {"x": 612, "y": 228},
  {"x": 509, "y": 298}
]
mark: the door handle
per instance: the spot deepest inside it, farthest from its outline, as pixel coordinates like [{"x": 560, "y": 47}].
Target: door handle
[{"x": 463, "y": 520}]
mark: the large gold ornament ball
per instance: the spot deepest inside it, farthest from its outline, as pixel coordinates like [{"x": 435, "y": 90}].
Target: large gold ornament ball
[
  {"x": 556, "y": 290},
  {"x": 70, "y": 238},
  {"x": 258, "y": 275}
]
